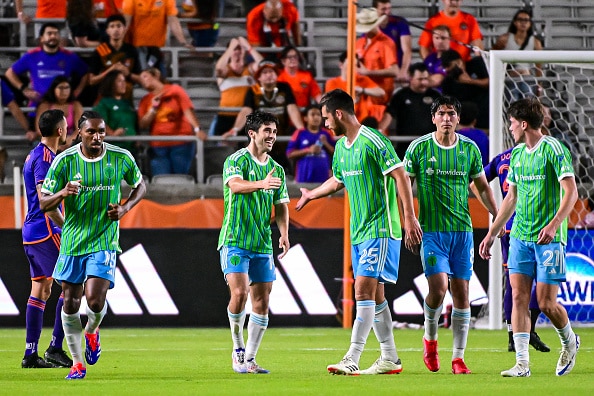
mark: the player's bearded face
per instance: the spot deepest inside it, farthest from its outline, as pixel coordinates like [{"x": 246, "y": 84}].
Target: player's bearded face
[{"x": 332, "y": 122}]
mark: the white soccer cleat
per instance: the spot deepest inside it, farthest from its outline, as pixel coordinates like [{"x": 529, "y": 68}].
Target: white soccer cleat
[
  {"x": 383, "y": 367},
  {"x": 567, "y": 358},
  {"x": 254, "y": 368},
  {"x": 346, "y": 366},
  {"x": 519, "y": 370},
  {"x": 238, "y": 358}
]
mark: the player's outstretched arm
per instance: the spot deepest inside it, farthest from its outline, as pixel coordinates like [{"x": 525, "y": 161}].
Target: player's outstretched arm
[
  {"x": 281, "y": 214},
  {"x": 507, "y": 208},
  {"x": 117, "y": 211},
  {"x": 547, "y": 234},
  {"x": 330, "y": 186}
]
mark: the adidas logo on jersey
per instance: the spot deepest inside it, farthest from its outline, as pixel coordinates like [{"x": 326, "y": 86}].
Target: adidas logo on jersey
[
  {"x": 78, "y": 176},
  {"x": 432, "y": 159},
  {"x": 252, "y": 173}
]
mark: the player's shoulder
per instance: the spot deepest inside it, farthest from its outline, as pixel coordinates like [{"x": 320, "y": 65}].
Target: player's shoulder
[
  {"x": 553, "y": 144},
  {"x": 373, "y": 136},
  {"x": 466, "y": 141},
  {"x": 117, "y": 150},
  {"x": 240, "y": 155},
  {"x": 68, "y": 154},
  {"x": 421, "y": 141}
]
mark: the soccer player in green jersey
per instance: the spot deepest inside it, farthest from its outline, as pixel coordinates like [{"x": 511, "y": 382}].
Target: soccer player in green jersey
[
  {"x": 253, "y": 184},
  {"x": 87, "y": 178},
  {"x": 543, "y": 192},
  {"x": 443, "y": 163},
  {"x": 366, "y": 164}
]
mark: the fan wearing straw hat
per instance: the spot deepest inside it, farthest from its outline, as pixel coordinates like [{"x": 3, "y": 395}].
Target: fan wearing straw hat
[{"x": 376, "y": 56}]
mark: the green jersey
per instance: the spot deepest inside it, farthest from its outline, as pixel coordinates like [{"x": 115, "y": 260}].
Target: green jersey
[
  {"x": 536, "y": 174},
  {"x": 246, "y": 221},
  {"x": 363, "y": 167},
  {"x": 443, "y": 175},
  {"x": 87, "y": 228}
]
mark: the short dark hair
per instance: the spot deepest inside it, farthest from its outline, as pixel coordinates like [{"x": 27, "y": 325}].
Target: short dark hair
[
  {"x": 255, "y": 120},
  {"x": 418, "y": 66},
  {"x": 528, "y": 109},
  {"x": 468, "y": 113},
  {"x": 448, "y": 101},
  {"x": 449, "y": 56},
  {"x": 376, "y": 2},
  {"x": 46, "y": 25},
  {"x": 342, "y": 57},
  {"x": 309, "y": 107},
  {"x": 338, "y": 99},
  {"x": 115, "y": 18},
  {"x": 288, "y": 49},
  {"x": 88, "y": 115},
  {"x": 49, "y": 120}
]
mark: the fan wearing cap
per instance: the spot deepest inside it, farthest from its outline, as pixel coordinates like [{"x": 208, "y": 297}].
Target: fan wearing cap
[
  {"x": 376, "y": 55},
  {"x": 274, "y": 23},
  {"x": 274, "y": 97}
]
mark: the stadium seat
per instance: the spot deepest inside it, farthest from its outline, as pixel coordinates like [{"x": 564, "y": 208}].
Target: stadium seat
[{"x": 172, "y": 179}]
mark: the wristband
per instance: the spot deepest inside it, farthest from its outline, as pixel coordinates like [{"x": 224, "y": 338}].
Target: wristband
[{"x": 196, "y": 129}]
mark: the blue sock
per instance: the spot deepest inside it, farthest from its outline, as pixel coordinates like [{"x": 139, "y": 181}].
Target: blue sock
[{"x": 58, "y": 334}]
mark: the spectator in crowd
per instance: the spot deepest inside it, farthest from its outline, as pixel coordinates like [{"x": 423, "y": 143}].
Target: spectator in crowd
[
  {"x": 107, "y": 8},
  {"x": 464, "y": 30},
  {"x": 55, "y": 9},
  {"x": 147, "y": 23},
  {"x": 397, "y": 29},
  {"x": 365, "y": 88},
  {"x": 467, "y": 128},
  {"x": 311, "y": 148},
  {"x": 441, "y": 42},
  {"x": 520, "y": 36},
  {"x": 168, "y": 110},
  {"x": 43, "y": 64},
  {"x": 117, "y": 111},
  {"x": 302, "y": 82},
  {"x": 83, "y": 26},
  {"x": 8, "y": 100},
  {"x": 234, "y": 71},
  {"x": 467, "y": 82},
  {"x": 206, "y": 32},
  {"x": 115, "y": 54},
  {"x": 376, "y": 54},
  {"x": 274, "y": 97},
  {"x": 274, "y": 23},
  {"x": 59, "y": 96},
  {"x": 410, "y": 107}
]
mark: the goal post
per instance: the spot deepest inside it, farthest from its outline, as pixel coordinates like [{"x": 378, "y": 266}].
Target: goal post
[{"x": 567, "y": 83}]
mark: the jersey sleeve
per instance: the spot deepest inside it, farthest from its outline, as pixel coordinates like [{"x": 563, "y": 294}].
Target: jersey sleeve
[
  {"x": 40, "y": 168},
  {"x": 476, "y": 162},
  {"x": 132, "y": 176},
  {"x": 511, "y": 175},
  {"x": 336, "y": 162},
  {"x": 54, "y": 180},
  {"x": 411, "y": 165},
  {"x": 561, "y": 161},
  {"x": 231, "y": 169},
  {"x": 387, "y": 158},
  {"x": 491, "y": 168}
]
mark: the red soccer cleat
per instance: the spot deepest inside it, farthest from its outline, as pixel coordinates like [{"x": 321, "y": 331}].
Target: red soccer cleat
[
  {"x": 430, "y": 355},
  {"x": 459, "y": 367}
]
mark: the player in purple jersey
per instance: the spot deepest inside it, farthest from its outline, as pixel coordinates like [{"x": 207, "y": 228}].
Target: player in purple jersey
[
  {"x": 41, "y": 240},
  {"x": 45, "y": 63},
  {"x": 498, "y": 168}
]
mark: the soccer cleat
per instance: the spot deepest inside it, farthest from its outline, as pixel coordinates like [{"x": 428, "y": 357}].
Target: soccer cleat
[
  {"x": 78, "y": 371},
  {"x": 430, "y": 355},
  {"x": 345, "y": 367},
  {"x": 519, "y": 370},
  {"x": 511, "y": 347},
  {"x": 382, "y": 366},
  {"x": 93, "y": 349},
  {"x": 254, "y": 368},
  {"x": 58, "y": 357},
  {"x": 34, "y": 361},
  {"x": 537, "y": 343},
  {"x": 567, "y": 358},
  {"x": 238, "y": 358},
  {"x": 459, "y": 367}
]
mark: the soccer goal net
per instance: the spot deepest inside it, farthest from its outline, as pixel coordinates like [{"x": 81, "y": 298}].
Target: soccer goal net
[{"x": 566, "y": 88}]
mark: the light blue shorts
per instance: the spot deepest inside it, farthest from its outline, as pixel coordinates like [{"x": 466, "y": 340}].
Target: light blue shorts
[
  {"x": 377, "y": 258},
  {"x": 448, "y": 252},
  {"x": 76, "y": 269},
  {"x": 259, "y": 266},
  {"x": 545, "y": 263}
]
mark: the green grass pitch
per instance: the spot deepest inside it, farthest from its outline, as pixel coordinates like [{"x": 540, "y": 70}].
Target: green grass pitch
[{"x": 162, "y": 361}]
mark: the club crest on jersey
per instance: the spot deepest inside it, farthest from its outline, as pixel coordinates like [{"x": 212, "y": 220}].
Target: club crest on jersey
[
  {"x": 462, "y": 156},
  {"x": 109, "y": 171}
]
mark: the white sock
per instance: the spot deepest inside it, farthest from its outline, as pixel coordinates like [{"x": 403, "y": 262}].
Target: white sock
[
  {"x": 521, "y": 341},
  {"x": 361, "y": 328},
  {"x": 256, "y": 327},
  {"x": 73, "y": 333},
  {"x": 382, "y": 327},
  {"x": 236, "y": 321},
  {"x": 460, "y": 325},
  {"x": 431, "y": 321},
  {"x": 95, "y": 319},
  {"x": 566, "y": 335}
]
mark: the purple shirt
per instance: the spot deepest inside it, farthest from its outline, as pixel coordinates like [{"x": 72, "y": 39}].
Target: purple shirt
[
  {"x": 480, "y": 138},
  {"x": 397, "y": 27},
  {"x": 433, "y": 64},
  {"x": 37, "y": 226},
  {"x": 43, "y": 67},
  {"x": 311, "y": 168},
  {"x": 498, "y": 168}
]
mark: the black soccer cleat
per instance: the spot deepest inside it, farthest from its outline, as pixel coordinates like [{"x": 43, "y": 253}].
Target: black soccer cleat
[
  {"x": 537, "y": 343},
  {"x": 58, "y": 357},
  {"x": 34, "y": 361}
]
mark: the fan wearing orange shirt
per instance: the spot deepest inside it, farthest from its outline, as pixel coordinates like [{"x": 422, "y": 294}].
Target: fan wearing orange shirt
[
  {"x": 302, "y": 82},
  {"x": 274, "y": 23}
]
